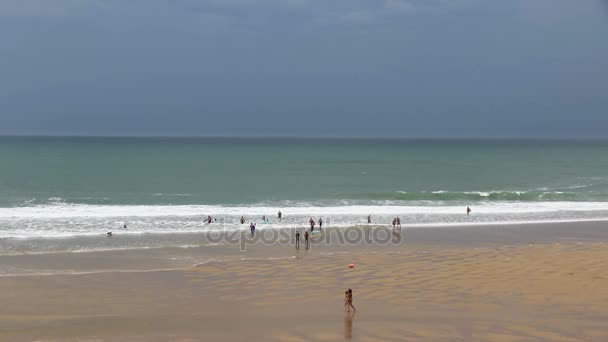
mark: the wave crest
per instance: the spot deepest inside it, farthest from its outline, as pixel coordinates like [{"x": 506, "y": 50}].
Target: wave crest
[{"x": 526, "y": 196}]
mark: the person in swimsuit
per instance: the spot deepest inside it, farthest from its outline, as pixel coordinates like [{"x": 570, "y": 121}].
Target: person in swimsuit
[
  {"x": 320, "y": 223},
  {"x": 369, "y": 219},
  {"x": 469, "y": 210},
  {"x": 346, "y": 305},
  {"x": 350, "y": 299},
  {"x": 312, "y": 224},
  {"x": 398, "y": 222},
  {"x": 306, "y": 240},
  {"x": 297, "y": 239},
  {"x": 280, "y": 215},
  {"x": 242, "y": 219}
]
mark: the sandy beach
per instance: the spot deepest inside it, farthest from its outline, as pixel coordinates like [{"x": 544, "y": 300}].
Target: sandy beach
[{"x": 504, "y": 283}]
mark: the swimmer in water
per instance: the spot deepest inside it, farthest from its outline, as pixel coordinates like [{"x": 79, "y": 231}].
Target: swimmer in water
[
  {"x": 469, "y": 210},
  {"x": 280, "y": 215},
  {"x": 109, "y": 234}
]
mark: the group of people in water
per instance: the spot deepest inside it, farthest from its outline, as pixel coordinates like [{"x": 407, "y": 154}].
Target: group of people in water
[
  {"x": 396, "y": 220},
  {"x": 396, "y": 223},
  {"x": 312, "y": 224}
]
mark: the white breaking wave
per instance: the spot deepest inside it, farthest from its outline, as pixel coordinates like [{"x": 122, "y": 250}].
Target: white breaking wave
[
  {"x": 65, "y": 220},
  {"x": 62, "y": 210}
]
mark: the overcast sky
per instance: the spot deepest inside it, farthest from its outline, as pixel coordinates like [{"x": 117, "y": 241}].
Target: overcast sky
[{"x": 408, "y": 68}]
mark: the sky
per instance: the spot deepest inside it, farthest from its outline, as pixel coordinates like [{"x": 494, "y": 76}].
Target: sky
[{"x": 331, "y": 68}]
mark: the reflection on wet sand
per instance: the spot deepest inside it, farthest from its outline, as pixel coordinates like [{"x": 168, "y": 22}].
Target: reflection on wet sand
[{"x": 348, "y": 325}]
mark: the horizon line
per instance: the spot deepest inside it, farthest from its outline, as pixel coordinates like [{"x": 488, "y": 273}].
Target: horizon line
[{"x": 324, "y": 137}]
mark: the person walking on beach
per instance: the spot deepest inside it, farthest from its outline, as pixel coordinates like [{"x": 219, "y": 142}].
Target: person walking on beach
[
  {"x": 312, "y": 224},
  {"x": 280, "y": 215},
  {"x": 469, "y": 210},
  {"x": 349, "y": 297},
  {"x": 346, "y": 305},
  {"x": 306, "y": 240},
  {"x": 297, "y": 239}
]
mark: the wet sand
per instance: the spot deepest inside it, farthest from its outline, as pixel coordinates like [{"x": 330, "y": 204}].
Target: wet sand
[{"x": 507, "y": 283}]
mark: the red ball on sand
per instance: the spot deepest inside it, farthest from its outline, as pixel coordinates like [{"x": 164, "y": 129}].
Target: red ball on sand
[{"x": 351, "y": 265}]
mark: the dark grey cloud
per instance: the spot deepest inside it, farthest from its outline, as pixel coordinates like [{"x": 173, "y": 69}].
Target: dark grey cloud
[
  {"x": 604, "y": 4},
  {"x": 304, "y": 67}
]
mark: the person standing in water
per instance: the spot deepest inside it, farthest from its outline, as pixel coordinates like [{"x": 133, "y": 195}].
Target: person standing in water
[
  {"x": 252, "y": 228},
  {"x": 280, "y": 215},
  {"x": 242, "y": 219},
  {"x": 469, "y": 210},
  {"x": 297, "y": 239},
  {"x": 398, "y": 222},
  {"x": 312, "y": 224},
  {"x": 369, "y": 219},
  {"x": 306, "y": 240},
  {"x": 320, "y": 223}
]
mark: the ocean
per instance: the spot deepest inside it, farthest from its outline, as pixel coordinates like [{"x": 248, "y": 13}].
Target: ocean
[{"x": 65, "y": 193}]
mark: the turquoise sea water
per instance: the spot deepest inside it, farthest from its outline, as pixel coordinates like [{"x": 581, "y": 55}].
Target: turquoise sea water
[{"x": 58, "y": 187}]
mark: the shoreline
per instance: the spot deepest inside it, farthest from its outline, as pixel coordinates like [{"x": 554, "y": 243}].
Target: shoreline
[{"x": 195, "y": 249}]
